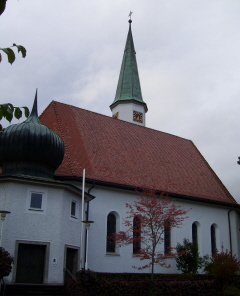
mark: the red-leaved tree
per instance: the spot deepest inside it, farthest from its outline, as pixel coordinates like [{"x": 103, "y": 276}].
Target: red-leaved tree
[{"x": 148, "y": 219}]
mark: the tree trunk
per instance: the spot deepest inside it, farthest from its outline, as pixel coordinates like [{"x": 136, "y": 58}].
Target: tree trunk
[{"x": 152, "y": 267}]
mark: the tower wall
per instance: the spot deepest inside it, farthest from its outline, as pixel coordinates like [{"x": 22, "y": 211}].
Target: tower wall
[{"x": 125, "y": 112}]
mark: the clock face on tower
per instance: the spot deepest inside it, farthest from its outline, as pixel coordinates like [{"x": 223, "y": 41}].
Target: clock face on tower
[{"x": 138, "y": 116}]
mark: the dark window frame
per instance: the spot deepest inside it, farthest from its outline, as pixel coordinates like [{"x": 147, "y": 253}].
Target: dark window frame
[
  {"x": 136, "y": 234},
  {"x": 195, "y": 234},
  {"x": 73, "y": 209},
  {"x": 213, "y": 239},
  {"x": 36, "y": 204},
  {"x": 111, "y": 228},
  {"x": 167, "y": 238}
]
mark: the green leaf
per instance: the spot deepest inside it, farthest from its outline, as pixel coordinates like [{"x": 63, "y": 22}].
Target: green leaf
[
  {"x": 1, "y": 108},
  {"x": 26, "y": 111},
  {"x": 21, "y": 49},
  {"x": 8, "y": 111},
  {"x": 9, "y": 115},
  {"x": 10, "y": 106},
  {"x": 10, "y": 53},
  {"x": 4, "y": 109},
  {"x": 17, "y": 113}
]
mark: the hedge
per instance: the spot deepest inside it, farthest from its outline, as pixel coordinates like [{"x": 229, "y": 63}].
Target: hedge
[
  {"x": 94, "y": 284},
  {"x": 147, "y": 276},
  {"x": 142, "y": 288}
]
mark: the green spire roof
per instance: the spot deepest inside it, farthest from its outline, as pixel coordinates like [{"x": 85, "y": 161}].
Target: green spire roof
[{"x": 129, "y": 88}]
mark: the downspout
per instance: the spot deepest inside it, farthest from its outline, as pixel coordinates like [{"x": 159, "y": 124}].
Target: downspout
[
  {"x": 230, "y": 232},
  {"x": 87, "y": 215}
]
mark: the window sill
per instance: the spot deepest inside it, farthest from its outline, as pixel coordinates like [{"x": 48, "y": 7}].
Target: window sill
[
  {"x": 74, "y": 217},
  {"x": 112, "y": 254},
  {"x": 37, "y": 210}
]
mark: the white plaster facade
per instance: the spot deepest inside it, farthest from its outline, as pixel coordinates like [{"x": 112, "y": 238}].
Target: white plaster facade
[
  {"x": 52, "y": 227},
  {"x": 57, "y": 230}
]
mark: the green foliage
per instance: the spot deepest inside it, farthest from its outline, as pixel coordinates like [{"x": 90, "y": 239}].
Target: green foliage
[
  {"x": 7, "y": 50},
  {"x": 10, "y": 53},
  {"x": 7, "y": 111},
  {"x": 223, "y": 266},
  {"x": 5, "y": 263},
  {"x": 232, "y": 291},
  {"x": 188, "y": 259}
]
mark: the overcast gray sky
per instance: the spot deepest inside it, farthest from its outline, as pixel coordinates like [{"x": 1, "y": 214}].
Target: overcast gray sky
[{"x": 188, "y": 54}]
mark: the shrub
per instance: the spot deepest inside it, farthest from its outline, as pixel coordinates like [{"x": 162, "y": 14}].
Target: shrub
[
  {"x": 188, "y": 259},
  {"x": 232, "y": 291},
  {"x": 72, "y": 288},
  {"x": 87, "y": 282},
  {"x": 5, "y": 263},
  {"x": 223, "y": 266}
]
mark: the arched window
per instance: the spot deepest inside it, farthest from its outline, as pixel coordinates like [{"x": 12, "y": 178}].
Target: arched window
[
  {"x": 195, "y": 234},
  {"x": 111, "y": 228},
  {"x": 167, "y": 238},
  {"x": 136, "y": 234},
  {"x": 213, "y": 240}
]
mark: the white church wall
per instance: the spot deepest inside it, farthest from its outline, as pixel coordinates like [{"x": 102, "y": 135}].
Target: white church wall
[
  {"x": 125, "y": 112},
  {"x": 235, "y": 226},
  {"x": 53, "y": 226},
  {"x": 108, "y": 200}
]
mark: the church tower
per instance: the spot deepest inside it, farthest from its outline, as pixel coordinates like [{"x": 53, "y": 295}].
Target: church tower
[{"x": 128, "y": 104}]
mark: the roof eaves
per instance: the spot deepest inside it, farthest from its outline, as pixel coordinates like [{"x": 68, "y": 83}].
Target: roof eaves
[
  {"x": 133, "y": 188},
  {"x": 127, "y": 100},
  {"x": 36, "y": 180}
]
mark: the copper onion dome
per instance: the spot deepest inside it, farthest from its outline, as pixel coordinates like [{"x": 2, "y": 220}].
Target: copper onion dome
[{"x": 30, "y": 148}]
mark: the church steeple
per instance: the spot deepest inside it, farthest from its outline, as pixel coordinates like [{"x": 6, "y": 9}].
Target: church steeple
[{"x": 128, "y": 104}]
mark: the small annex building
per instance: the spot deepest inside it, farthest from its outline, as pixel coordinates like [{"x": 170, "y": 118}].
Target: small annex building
[{"x": 41, "y": 184}]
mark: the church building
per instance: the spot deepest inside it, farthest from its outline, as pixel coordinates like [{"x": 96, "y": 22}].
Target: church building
[{"x": 67, "y": 176}]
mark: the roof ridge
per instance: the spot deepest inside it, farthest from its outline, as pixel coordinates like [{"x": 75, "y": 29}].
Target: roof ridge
[
  {"x": 62, "y": 136},
  {"x": 70, "y": 161},
  {"x": 125, "y": 122}
]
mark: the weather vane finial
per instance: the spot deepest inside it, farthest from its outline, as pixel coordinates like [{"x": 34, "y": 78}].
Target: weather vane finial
[{"x": 130, "y": 15}]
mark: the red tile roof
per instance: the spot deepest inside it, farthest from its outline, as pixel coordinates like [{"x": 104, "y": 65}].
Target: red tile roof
[{"x": 123, "y": 153}]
